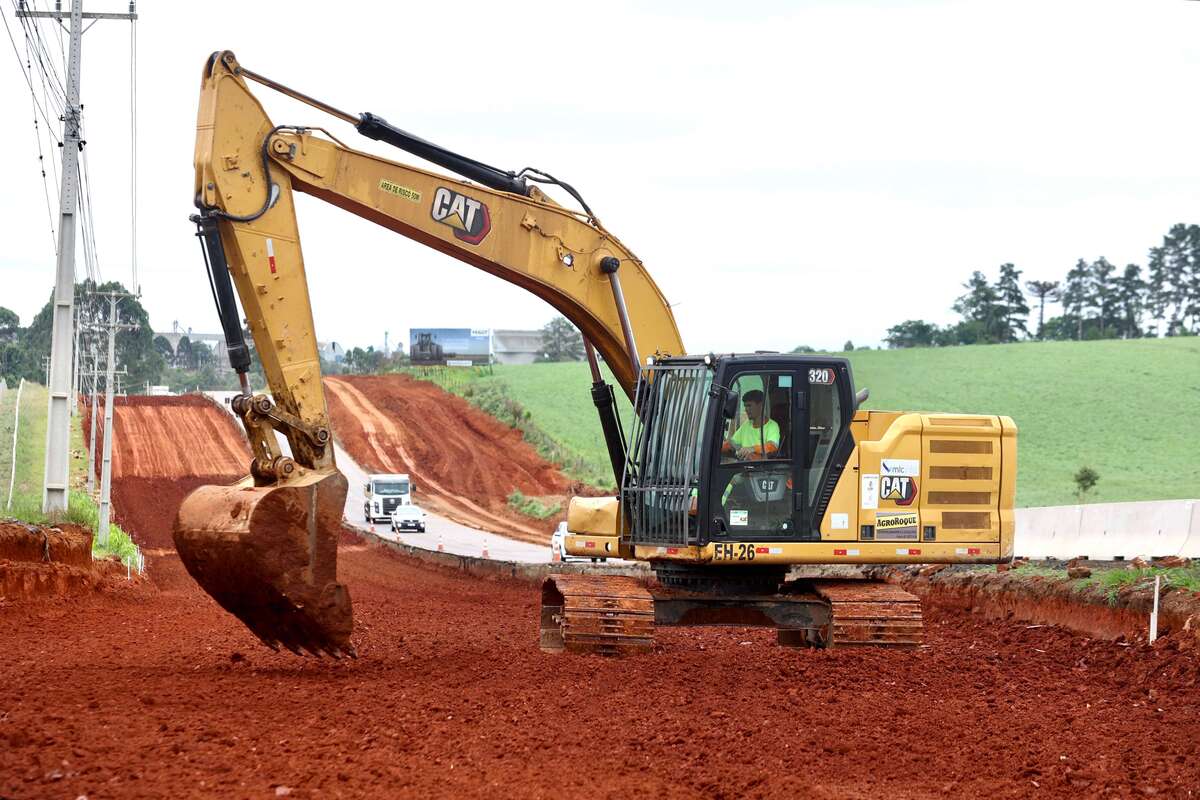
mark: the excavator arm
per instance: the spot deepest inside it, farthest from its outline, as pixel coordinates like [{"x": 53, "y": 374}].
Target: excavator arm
[{"x": 265, "y": 548}]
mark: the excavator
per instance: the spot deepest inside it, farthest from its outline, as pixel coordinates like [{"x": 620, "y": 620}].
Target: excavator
[{"x": 736, "y": 468}]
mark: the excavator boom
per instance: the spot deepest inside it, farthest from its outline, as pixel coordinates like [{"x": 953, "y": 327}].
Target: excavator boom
[{"x": 265, "y": 548}]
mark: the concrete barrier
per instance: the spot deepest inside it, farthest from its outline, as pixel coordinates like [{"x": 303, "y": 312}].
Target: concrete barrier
[
  {"x": 1110, "y": 530},
  {"x": 512, "y": 570}
]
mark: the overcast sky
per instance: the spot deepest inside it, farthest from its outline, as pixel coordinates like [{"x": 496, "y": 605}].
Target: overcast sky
[{"x": 790, "y": 173}]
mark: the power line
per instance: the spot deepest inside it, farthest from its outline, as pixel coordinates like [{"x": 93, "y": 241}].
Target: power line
[{"x": 28, "y": 79}]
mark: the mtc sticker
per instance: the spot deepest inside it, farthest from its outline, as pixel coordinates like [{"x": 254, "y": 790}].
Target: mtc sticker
[
  {"x": 869, "y": 494},
  {"x": 840, "y": 522},
  {"x": 908, "y": 467},
  {"x": 739, "y": 517}
]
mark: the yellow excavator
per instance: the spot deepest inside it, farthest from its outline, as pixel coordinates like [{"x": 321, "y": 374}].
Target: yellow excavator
[{"x": 736, "y": 467}]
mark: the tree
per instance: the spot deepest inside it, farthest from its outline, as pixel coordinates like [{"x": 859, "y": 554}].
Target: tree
[
  {"x": 1101, "y": 290},
  {"x": 1129, "y": 301},
  {"x": 980, "y": 308},
  {"x": 164, "y": 349},
  {"x": 803, "y": 348},
  {"x": 183, "y": 353},
  {"x": 1085, "y": 479},
  {"x": 10, "y": 324},
  {"x": 1075, "y": 295},
  {"x": 561, "y": 341},
  {"x": 1173, "y": 272},
  {"x": 848, "y": 347},
  {"x": 1013, "y": 310},
  {"x": 1043, "y": 291},
  {"x": 911, "y": 333},
  {"x": 135, "y": 349}
]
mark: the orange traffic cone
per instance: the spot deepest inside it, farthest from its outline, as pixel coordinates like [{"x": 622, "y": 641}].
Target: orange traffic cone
[
  {"x": 441, "y": 548},
  {"x": 485, "y": 550},
  {"x": 555, "y": 553}
]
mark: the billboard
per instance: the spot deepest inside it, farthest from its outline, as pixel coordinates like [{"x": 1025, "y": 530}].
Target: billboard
[{"x": 440, "y": 345}]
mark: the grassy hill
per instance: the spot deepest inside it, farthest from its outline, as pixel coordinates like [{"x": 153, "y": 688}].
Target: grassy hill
[{"x": 1128, "y": 409}]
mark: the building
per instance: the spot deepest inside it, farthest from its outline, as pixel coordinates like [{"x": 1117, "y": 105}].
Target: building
[{"x": 516, "y": 347}]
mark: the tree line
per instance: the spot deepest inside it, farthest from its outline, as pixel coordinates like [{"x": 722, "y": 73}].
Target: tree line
[{"x": 1098, "y": 300}]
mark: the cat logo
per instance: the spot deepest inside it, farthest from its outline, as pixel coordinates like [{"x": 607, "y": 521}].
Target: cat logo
[
  {"x": 897, "y": 488},
  {"x": 467, "y": 216}
]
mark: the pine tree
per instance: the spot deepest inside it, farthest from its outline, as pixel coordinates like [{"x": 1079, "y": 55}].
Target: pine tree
[
  {"x": 1100, "y": 289},
  {"x": 1129, "y": 300},
  {"x": 1012, "y": 306},
  {"x": 1172, "y": 271},
  {"x": 1043, "y": 291},
  {"x": 980, "y": 310},
  {"x": 1075, "y": 295}
]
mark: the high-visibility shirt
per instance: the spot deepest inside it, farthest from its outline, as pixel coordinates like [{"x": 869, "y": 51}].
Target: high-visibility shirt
[{"x": 760, "y": 440}]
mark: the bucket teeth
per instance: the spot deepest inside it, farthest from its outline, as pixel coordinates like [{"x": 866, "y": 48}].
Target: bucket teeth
[{"x": 268, "y": 555}]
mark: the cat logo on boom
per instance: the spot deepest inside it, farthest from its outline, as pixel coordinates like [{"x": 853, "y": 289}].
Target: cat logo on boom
[
  {"x": 900, "y": 489},
  {"x": 467, "y": 216}
]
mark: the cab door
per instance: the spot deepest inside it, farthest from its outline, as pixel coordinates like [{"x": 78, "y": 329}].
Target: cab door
[{"x": 755, "y": 492}]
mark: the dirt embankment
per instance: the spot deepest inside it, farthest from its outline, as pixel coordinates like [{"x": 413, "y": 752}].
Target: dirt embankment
[
  {"x": 463, "y": 462},
  {"x": 171, "y": 437},
  {"x": 164, "y": 448},
  {"x": 1042, "y": 600},
  {"x": 39, "y": 561}
]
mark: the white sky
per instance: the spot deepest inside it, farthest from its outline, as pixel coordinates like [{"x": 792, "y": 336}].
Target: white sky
[{"x": 791, "y": 173}]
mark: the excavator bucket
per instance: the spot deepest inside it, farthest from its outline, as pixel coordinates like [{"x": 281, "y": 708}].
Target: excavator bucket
[{"x": 268, "y": 555}]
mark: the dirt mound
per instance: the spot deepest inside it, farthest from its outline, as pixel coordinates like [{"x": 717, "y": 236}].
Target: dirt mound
[
  {"x": 41, "y": 562},
  {"x": 63, "y": 544},
  {"x": 463, "y": 462},
  {"x": 171, "y": 437}
]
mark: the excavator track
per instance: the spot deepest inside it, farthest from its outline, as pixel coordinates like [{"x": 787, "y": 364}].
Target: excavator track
[
  {"x": 605, "y": 615},
  {"x": 872, "y": 614}
]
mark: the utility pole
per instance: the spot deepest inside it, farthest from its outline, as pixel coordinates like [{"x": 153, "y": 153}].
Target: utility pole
[
  {"x": 56, "y": 478},
  {"x": 106, "y": 464},
  {"x": 95, "y": 376}
]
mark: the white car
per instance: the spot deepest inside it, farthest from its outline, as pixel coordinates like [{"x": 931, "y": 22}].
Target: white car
[{"x": 408, "y": 517}]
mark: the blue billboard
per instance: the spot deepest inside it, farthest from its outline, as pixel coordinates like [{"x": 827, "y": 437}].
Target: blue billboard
[{"x": 450, "y": 345}]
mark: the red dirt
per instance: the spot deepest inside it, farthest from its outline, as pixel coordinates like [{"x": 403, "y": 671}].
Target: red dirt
[
  {"x": 41, "y": 561},
  {"x": 463, "y": 462},
  {"x": 167, "y": 695},
  {"x": 451, "y": 698},
  {"x": 170, "y": 436}
]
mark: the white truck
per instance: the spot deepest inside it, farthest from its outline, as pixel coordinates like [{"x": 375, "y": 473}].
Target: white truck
[{"x": 383, "y": 493}]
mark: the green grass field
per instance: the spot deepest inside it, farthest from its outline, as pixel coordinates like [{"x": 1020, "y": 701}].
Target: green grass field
[
  {"x": 1128, "y": 409},
  {"x": 30, "y": 466}
]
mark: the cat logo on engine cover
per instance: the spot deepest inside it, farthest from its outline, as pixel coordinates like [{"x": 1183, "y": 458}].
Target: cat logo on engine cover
[
  {"x": 898, "y": 488},
  {"x": 467, "y": 216}
]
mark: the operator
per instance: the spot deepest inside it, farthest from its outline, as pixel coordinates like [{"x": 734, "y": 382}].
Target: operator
[{"x": 758, "y": 436}]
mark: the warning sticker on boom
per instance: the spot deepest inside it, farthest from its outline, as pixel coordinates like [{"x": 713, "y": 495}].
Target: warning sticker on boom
[
  {"x": 896, "y": 527},
  {"x": 400, "y": 191}
]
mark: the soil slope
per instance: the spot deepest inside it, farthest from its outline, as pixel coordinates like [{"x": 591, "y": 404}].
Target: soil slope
[{"x": 463, "y": 462}]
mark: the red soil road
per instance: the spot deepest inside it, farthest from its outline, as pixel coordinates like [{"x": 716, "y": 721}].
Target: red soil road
[
  {"x": 168, "y": 696},
  {"x": 463, "y": 462},
  {"x": 163, "y": 694},
  {"x": 171, "y": 436}
]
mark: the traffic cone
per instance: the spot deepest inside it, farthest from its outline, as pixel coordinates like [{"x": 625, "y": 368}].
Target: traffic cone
[
  {"x": 555, "y": 553},
  {"x": 485, "y": 550},
  {"x": 441, "y": 548}
]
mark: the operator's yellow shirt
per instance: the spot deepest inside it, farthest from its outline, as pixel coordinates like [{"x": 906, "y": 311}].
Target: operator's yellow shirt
[{"x": 764, "y": 439}]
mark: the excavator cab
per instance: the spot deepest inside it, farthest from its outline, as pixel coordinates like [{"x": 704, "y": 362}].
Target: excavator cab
[{"x": 734, "y": 449}]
